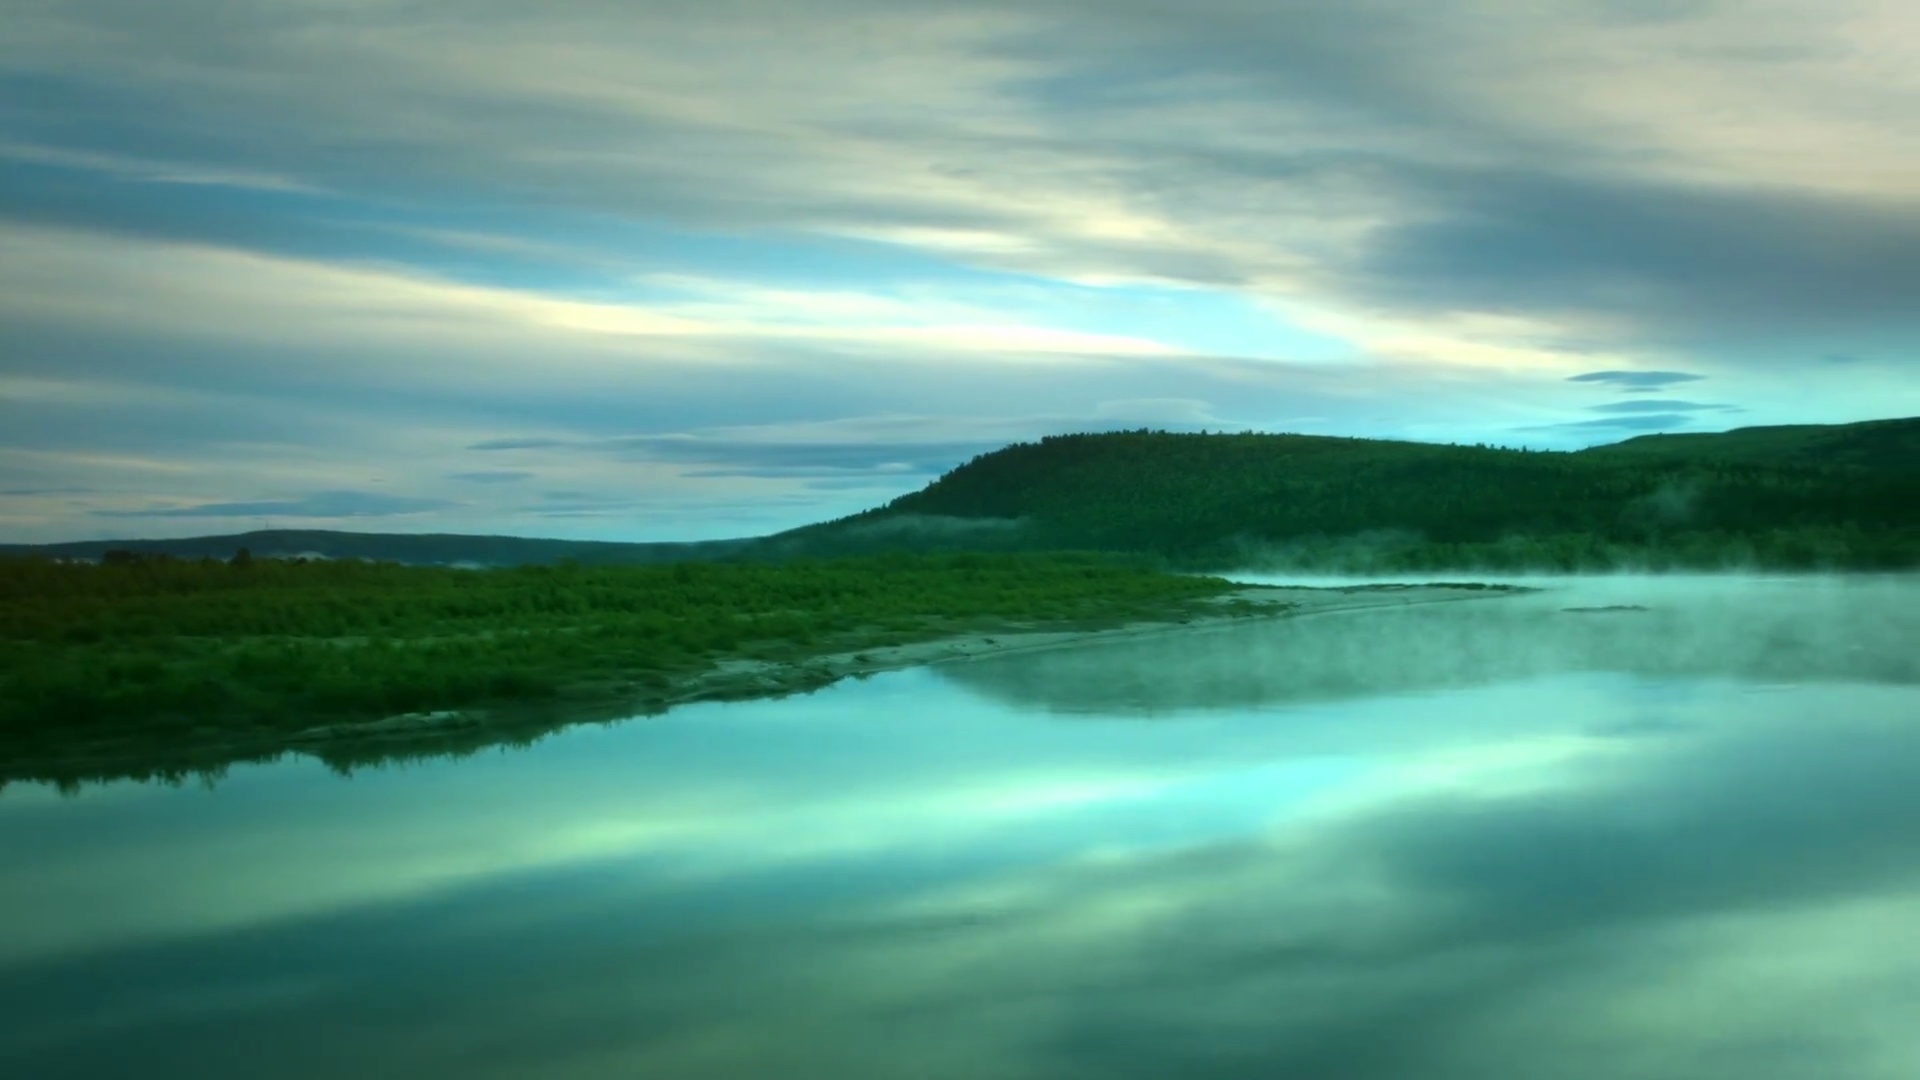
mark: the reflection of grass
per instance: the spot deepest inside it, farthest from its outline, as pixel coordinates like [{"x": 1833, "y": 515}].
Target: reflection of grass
[{"x": 159, "y": 661}]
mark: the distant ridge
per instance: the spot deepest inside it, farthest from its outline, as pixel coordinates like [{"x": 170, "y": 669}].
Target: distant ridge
[
  {"x": 1871, "y": 444},
  {"x": 1838, "y": 496},
  {"x": 430, "y": 549}
]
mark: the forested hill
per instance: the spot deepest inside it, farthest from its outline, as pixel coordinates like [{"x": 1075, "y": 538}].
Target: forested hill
[
  {"x": 1842, "y": 496},
  {"x": 1807, "y": 496},
  {"x": 1883, "y": 445}
]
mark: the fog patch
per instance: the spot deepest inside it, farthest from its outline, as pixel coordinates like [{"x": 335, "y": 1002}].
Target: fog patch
[{"x": 1672, "y": 503}]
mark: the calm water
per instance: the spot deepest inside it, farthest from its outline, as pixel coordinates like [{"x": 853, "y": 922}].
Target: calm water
[{"x": 1490, "y": 840}]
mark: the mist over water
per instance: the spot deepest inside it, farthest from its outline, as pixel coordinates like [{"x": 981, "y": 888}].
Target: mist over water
[
  {"x": 1767, "y": 630},
  {"x": 1495, "y": 839}
]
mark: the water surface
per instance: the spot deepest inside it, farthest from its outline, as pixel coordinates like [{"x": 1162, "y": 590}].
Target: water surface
[{"x": 1485, "y": 840}]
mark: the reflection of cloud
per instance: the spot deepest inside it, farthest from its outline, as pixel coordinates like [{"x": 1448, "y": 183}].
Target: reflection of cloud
[{"x": 1468, "y": 920}]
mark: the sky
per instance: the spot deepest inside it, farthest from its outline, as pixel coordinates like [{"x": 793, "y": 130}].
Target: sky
[{"x": 651, "y": 271}]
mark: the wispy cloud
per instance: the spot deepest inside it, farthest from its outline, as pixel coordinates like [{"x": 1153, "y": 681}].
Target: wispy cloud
[
  {"x": 492, "y": 476},
  {"x": 1655, "y": 405},
  {"x": 326, "y": 504},
  {"x": 1632, "y": 422},
  {"x": 1637, "y": 381},
  {"x": 152, "y": 171},
  {"x": 542, "y": 233},
  {"x": 902, "y": 447},
  {"x": 517, "y": 444}
]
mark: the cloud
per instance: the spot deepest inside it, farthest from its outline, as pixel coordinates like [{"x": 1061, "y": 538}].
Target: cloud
[
  {"x": 1651, "y": 261},
  {"x": 517, "y": 444},
  {"x": 772, "y": 452},
  {"x": 1632, "y": 422},
  {"x": 151, "y": 171},
  {"x": 493, "y": 476},
  {"x": 1645, "y": 405},
  {"x": 325, "y": 504},
  {"x": 1332, "y": 155},
  {"x": 600, "y": 222},
  {"x": 1637, "y": 381},
  {"x": 861, "y": 482},
  {"x": 807, "y": 458},
  {"x": 904, "y": 447}
]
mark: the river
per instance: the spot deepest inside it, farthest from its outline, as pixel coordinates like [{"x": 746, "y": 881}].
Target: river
[{"x": 1669, "y": 836}]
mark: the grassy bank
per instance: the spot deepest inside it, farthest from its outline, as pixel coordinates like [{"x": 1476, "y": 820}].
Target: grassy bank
[{"x": 125, "y": 669}]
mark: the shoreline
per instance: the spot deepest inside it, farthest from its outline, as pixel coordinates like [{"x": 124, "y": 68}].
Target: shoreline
[
  {"x": 1251, "y": 602},
  {"x": 730, "y": 679}
]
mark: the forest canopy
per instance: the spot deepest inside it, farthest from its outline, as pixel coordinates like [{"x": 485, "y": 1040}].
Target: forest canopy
[{"x": 1804, "y": 497}]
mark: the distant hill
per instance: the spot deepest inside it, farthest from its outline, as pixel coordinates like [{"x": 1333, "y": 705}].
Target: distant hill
[
  {"x": 1835, "y": 496},
  {"x": 435, "y": 549},
  {"x": 1890, "y": 445},
  {"x": 1804, "y": 496}
]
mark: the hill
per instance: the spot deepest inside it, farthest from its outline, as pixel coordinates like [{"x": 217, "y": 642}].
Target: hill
[
  {"x": 1801, "y": 496},
  {"x": 441, "y": 549},
  {"x": 1874, "y": 444},
  {"x": 1842, "y": 496}
]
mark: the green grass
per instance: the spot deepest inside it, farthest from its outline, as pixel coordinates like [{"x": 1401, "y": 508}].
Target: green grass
[{"x": 125, "y": 662}]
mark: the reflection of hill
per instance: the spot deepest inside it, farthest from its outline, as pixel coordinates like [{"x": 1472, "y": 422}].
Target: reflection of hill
[{"x": 1797, "y": 632}]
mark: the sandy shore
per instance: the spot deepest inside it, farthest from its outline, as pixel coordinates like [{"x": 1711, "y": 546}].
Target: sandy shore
[{"x": 742, "y": 678}]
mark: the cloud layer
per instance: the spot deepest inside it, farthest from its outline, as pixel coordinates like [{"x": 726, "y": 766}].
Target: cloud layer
[{"x": 332, "y": 245}]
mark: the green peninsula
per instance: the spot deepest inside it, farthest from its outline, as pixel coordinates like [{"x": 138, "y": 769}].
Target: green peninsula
[{"x": 145, "y": 664}]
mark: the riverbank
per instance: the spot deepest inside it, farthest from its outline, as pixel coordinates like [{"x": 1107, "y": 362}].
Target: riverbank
[
  {"x": 758, "y": 678},
  {"x": 172, "y": 669},
  {"x": 744, "y": 678}
]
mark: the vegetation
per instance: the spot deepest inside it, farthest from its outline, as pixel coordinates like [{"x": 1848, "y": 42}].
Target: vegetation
[
  {"x": 146, "y": 660},
  {"x": 143, "y": 660},
  {"x": 1808, "y": 496},
  {"x": 1804, "y": 497}
]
